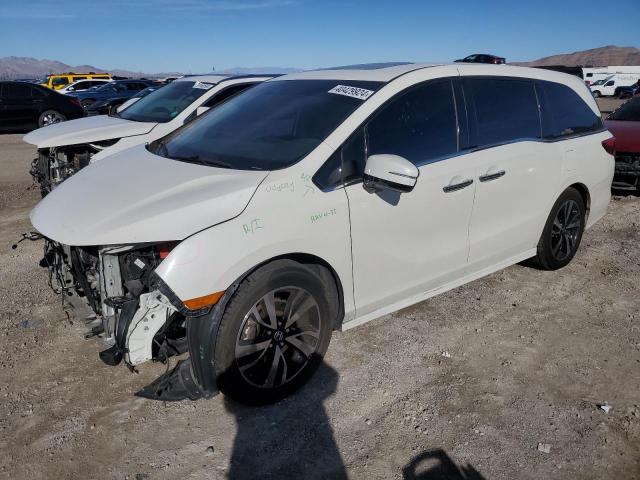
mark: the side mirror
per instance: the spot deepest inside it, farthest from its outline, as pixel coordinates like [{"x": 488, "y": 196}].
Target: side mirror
[
  {"x": 201, "y": 110},
  {"x": 389, "y": 172}
]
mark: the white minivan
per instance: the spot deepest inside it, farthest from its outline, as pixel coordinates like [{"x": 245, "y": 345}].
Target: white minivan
[
  {"x": 318, "y": 201},
  {"x": 67, "y": 147}
]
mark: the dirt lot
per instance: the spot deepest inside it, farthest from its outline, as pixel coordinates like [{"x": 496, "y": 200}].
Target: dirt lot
[{"x": 531, "y": 355}]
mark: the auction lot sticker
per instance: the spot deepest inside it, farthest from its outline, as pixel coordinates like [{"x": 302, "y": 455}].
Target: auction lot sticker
[
  {"x": 203, "y": 86},
  {"x": 354, "y": 92}
]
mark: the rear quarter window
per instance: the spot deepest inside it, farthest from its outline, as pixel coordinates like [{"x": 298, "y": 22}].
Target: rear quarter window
[
  {"x": 564, "y": 112},
  {"x": 505, "y": 110}
]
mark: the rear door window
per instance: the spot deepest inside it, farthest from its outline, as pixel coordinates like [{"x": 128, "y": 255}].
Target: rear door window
[
  {"x": 564, "y": 113},
  {"x": 505, "y": 110}
]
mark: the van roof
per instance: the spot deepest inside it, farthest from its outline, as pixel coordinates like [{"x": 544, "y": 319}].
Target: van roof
[
  {"x": 219, "y": 78},
  {"x": 389, "y": 71}
]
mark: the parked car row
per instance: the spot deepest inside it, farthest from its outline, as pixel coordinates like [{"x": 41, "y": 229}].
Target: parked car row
[
  {"x": 301, "y": 204},
  {"x": 65, "y": 148}
]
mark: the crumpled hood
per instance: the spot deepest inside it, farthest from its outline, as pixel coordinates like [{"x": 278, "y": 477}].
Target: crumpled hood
[
  {"x": 627, "y": 135},
  {"x": 135, "y": 196},
  {"x": 86, "y": 130}
]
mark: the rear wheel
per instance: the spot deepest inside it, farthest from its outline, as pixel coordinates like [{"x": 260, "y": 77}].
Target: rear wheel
[
  {"x": 563, "y": 231},
  {"x": 87, "y": 102},
  {"x": 50, "y": 117},
  {"x": 596, "y": 93},
  {"x": 274, "y": 332}
]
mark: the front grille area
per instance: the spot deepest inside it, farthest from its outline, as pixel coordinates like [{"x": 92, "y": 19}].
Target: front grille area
[{"x": 627, "y": 172}]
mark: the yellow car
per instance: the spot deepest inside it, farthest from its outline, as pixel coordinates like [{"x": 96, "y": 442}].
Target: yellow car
[{"x": 57, "y": 81}]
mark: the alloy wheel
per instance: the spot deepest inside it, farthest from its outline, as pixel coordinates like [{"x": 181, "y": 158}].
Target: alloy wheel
[
  {"x": 565, "y": 230},
  {"x": 50, "y": 118},
  {"x": 278, "y": 337}
]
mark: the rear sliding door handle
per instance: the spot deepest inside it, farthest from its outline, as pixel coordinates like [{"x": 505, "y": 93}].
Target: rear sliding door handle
[
  {"x": 457, "y": 186},
  {"x": 492, "y": 176}
]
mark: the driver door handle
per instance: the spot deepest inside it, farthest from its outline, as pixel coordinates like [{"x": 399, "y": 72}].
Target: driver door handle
[
  {"x": 457, "y": 186},
  {"x": 492, "y": 176}
]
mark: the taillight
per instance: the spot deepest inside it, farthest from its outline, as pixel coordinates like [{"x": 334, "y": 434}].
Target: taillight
[
  {"x": 164, "y": 249},
  {"x": 610, "y": 145}
]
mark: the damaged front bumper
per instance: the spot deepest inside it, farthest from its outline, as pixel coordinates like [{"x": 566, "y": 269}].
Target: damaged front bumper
[
  {"x": 139, "y": 317},
  {"x": 54, "y": 165},
  {"x": 627, "y": 171}
]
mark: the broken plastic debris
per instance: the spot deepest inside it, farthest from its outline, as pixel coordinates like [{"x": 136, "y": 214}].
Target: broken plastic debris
[
  {"x": 605, "y": 408},
  {"x": 544, "y": 447},
  {"x": 445, "y": 354}
]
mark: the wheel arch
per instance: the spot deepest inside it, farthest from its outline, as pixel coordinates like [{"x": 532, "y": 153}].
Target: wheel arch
[
  {"x": 309, "y": 259},
  {"x": 586, "y": 196}
]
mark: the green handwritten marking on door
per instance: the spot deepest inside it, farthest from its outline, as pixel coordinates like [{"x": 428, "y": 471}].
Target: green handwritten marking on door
[
  {"x": 321, "y": 216},
  {"x": 253, "y": 226}
]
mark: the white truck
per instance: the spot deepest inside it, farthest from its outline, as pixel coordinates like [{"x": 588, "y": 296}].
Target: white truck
[{"x": 605, "y": 81}]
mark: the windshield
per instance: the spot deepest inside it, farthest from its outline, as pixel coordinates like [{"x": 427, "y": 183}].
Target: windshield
[
  {"x": 166, "y": 103},
  {"x": 629, "y": 112},
  {"x": 270, "y": 126}
]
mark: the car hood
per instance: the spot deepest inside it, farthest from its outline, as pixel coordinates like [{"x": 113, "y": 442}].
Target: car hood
[
  {"x": 627, "y": 135},
  {"x": 86, "y": 130},
  {"x": 136, "y": 197}
]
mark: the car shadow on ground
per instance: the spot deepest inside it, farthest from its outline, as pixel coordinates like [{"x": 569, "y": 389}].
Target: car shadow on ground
[
  {"x": 437, "y": 465},
  {"x": 290, "y": 439}
]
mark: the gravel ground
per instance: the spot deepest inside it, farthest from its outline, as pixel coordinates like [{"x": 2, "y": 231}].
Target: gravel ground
[{"x": 530, "y": 356}]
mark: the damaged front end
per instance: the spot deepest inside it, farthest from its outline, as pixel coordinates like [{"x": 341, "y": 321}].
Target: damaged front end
[
  {"x": 136, "y": 317},
  {"x": 627, "y": 171},
  {"x": 55, "y": 164}
]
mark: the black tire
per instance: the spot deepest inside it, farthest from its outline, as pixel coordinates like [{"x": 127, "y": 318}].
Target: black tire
[
  {"x": 596, "y": 94},
  {"x": 562, "y": 233},
  {"x": 89, "y": 101},
  {"x": 49, "y": 117},
  {"x": 308, "y": 281}
]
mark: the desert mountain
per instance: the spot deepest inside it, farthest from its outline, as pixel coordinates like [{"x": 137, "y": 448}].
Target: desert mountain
[{"x": 596, "y": 57}]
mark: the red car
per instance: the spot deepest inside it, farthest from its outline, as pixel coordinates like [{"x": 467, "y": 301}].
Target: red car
[{"x": 624, "y": 124}]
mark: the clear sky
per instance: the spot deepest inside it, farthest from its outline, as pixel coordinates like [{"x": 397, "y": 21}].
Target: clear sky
[{"x": 195, "y": 35}]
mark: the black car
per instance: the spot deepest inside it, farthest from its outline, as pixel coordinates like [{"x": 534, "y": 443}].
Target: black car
[
  {"x": 628, "y": 92},
  {"x": 483, "y": 58},
  {"x": 116, "y": 89},
  {"x": 104, "y": 107},
  {"x": 23, "y": 105}
]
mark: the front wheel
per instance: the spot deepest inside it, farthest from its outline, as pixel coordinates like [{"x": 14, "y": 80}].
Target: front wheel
[
  {"x": 562, "y": 233},
  {"x": 274, "y": 332},
  {"x": 50, "y": 117}
]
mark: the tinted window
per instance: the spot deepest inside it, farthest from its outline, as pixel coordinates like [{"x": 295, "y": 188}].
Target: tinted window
[
  {"x": 630, "y": 111},
  {"x": 505, "y": 109},
  {"x": 165, "y": 103},
  {"x": 18, "y": 90},
  {"x": 60, "y": 81},
  {"x": 226, "y": 93},
  {"x": 564, "y": 113},
  {"x": 37, "y": 93},
  {"x": 271, "y": 126},
  {"x": 419, "y": 125},
  {"x": 345, "y": 166}
]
